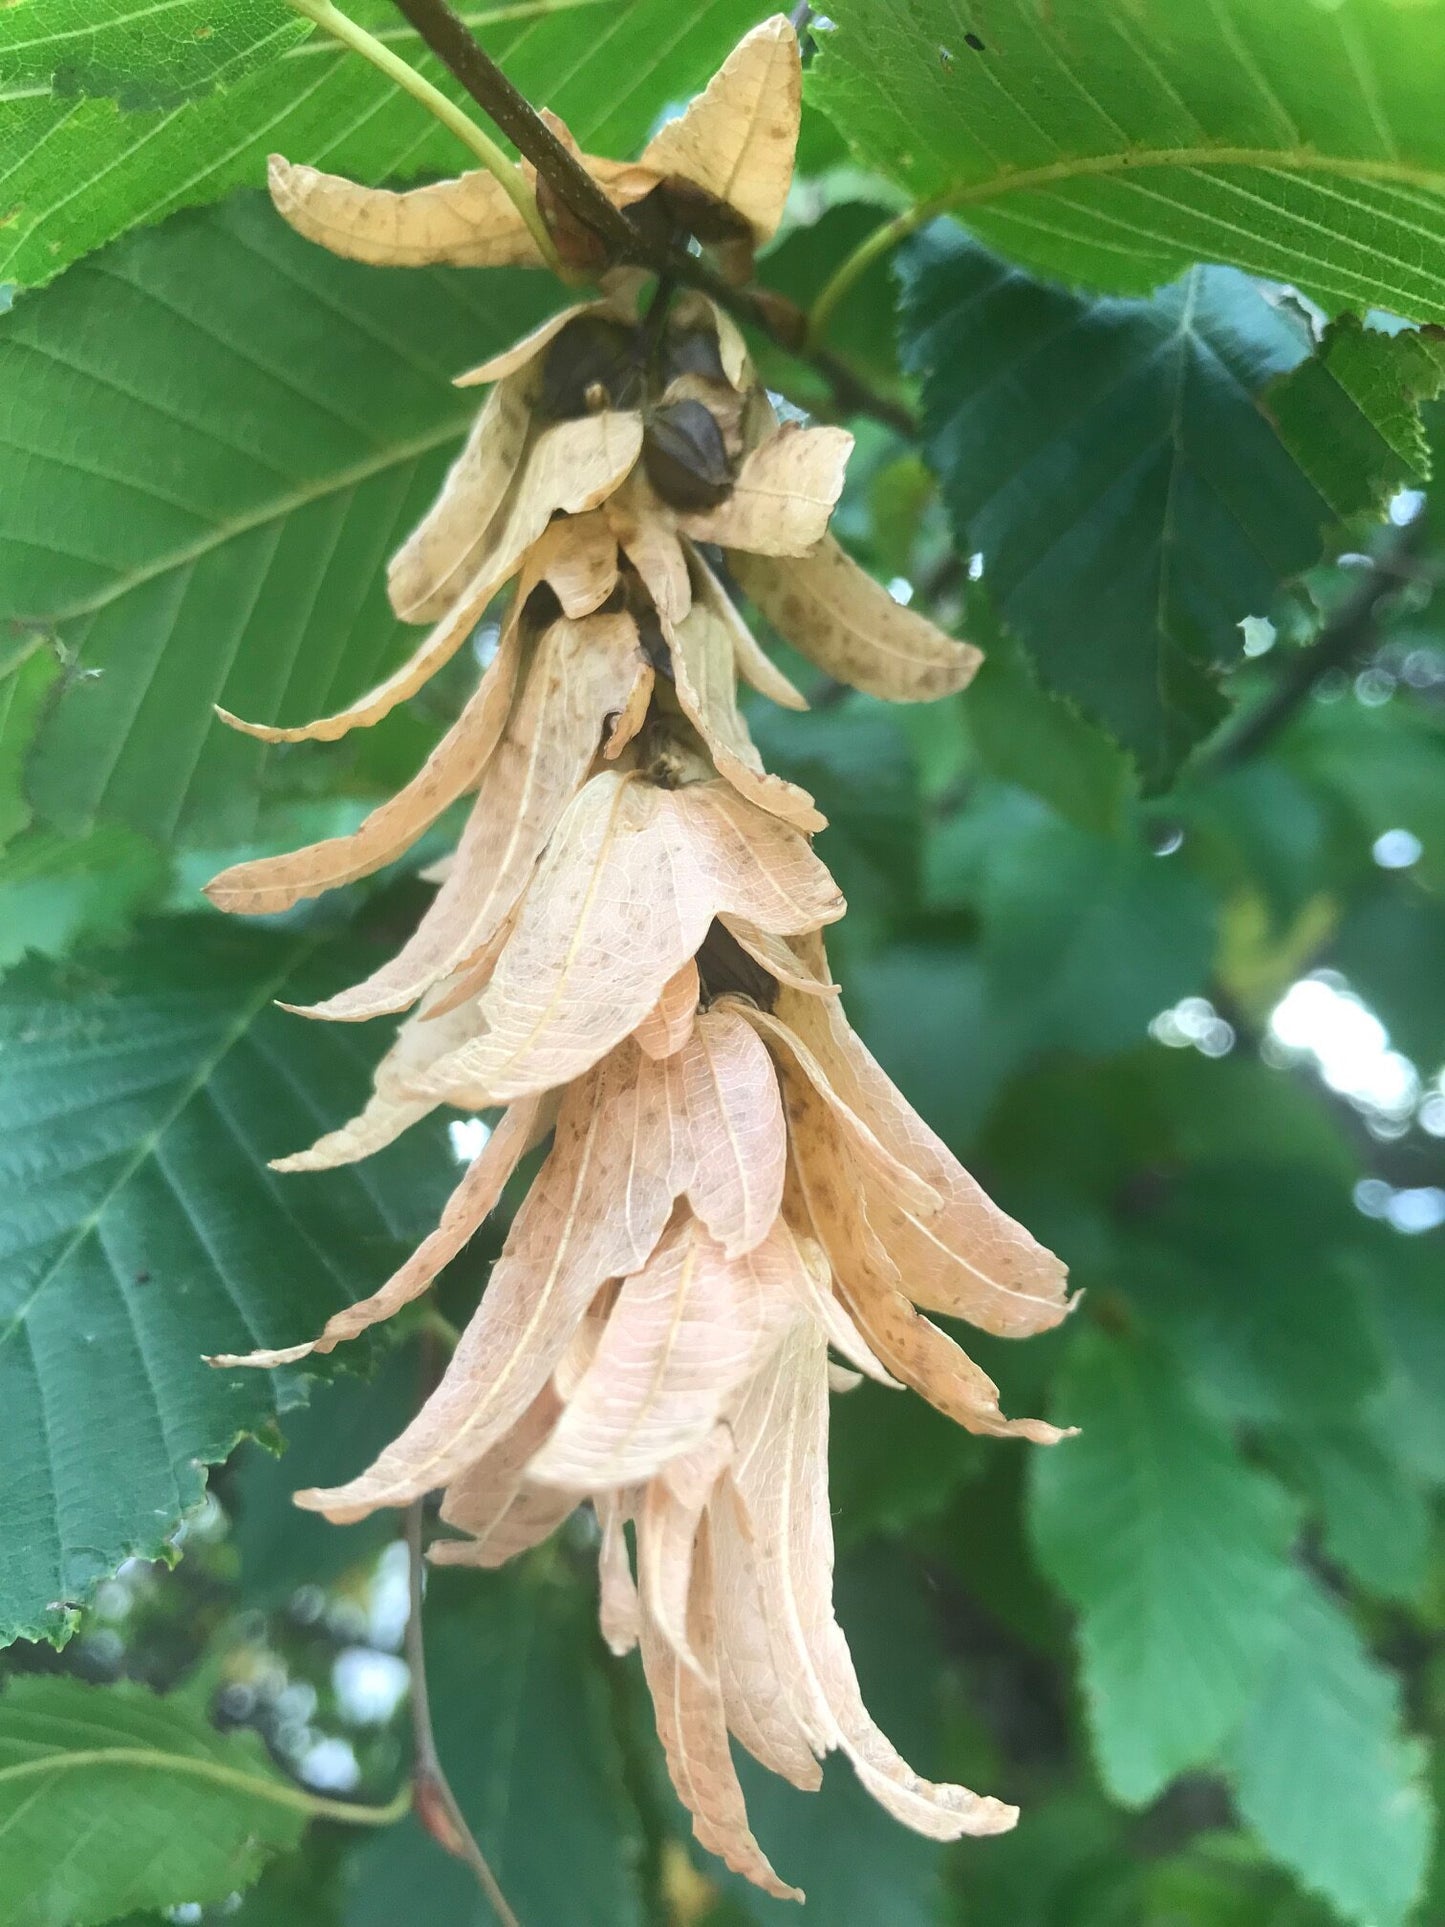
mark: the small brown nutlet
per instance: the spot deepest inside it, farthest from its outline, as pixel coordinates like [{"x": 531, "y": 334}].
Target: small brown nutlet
[
  {"x": 593, "y": 355},
  {"x": 690, "y": 351},
  {"x": 686, "y": 458}
]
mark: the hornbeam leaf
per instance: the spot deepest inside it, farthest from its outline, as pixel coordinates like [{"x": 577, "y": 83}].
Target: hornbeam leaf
[
  {"x": 1111, "y": 458},
  {"x": 1173, "y": 1552},
  {"x": 1116, "y": 145},
  {"x": 1326, "y": 1777},
  {"x": 1350, "y": 415},
  {"x": 113, "y": 1799},
  {"x": 142, "y": 57},
  {"x": 200, "y": 496},
  {"x": 142, "y": 1096},
  {"x": 74, "y": 174}
]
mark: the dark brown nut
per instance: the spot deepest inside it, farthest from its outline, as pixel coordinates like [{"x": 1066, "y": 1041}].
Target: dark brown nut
[
  {"x": 592, "y": 355},
  {"x": 686, "y": 458}
]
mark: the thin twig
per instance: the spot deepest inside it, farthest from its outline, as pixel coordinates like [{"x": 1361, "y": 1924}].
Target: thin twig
[
  {"x": 454, "y": 44},
  {"x": 1350, "y": 633},
  {"x": 436, "y": 1804}
]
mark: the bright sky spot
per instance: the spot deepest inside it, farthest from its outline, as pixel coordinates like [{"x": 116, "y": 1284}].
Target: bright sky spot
[
  {"x": 1396, "y": 849},
  {"x": 1321, "y": 1017},
  {"x": 368, "y": 1685},
  {"x": 468, "y": 1138}
]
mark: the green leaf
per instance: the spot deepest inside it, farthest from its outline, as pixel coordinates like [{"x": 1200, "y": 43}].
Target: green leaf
[
  {"x": 1326, "y": 1777},
  {"x": 1115, "y": 146},
  {"x": 141, "y": 1229},
  {"x": 243, "y": 442},
  {"x": 1391, "y": 947},
  {"x": 519, "y": 1698},
  {"x": 25, "y": 683},
  {"x": 856, "y": 759},
  {"x": 1109, "y": 459},
  {"x": 1173, "y": 1552},
  {"x": 1026, "y": 734},
  {"x": 56, "y": 891},
  {"x": 1244, "y": 1266},
  {"x": 75, "y": 174},
  {"x": 1087, "y": 938},
  {"x": 1376, "y": 1517},
  {"x": 154, "y": 56},
  {"x": 1350, "y": 415},
  {"x": 113, "y": 1799},
  {"x": 343, "y": 1425},
  {"x": 1402, "y": 1282}
]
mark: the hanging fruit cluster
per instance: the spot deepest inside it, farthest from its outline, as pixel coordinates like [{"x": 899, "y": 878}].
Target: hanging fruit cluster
[{"x": 625, "y": 952}]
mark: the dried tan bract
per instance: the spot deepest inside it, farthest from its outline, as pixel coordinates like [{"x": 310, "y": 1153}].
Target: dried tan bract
[
  {"x": 836, "y": 615},
  {"x": 737, "y": 139}
]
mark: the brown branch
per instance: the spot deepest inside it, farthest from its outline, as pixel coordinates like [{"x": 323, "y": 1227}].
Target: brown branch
[
  {"x": 574, "y": 189},
  {"x": 434, "y": 1802}
]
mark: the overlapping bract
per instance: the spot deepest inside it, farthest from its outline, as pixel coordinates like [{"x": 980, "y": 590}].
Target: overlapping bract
[{"x": 625, "y": 954}]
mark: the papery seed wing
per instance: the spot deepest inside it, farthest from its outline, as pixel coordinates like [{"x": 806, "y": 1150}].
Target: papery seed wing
[
  {"x": 569, "y": 1237},
  {"x": 836, "y": 615},
  {"x": 668, "y": 1025},
  {"x": 498, "y": 1505},
  {"x": 533, "y": 1516},
  {"x": 693, "y": 1730},
  {"x": 669, "y": 1518},
  {"x": 455, "y": 766},
  {"x": 738, "y": 137},
  {"x": 692, "y": 309},
  {"x": 756, "y": 669},
  {"x": 810, "y": 1274},
  {"x": 872, "y": 1153},
  {"x": 626, "y": 722},
  {"x": 758, "y": 1708},
  {"x": 468, "y": 1205},
  {"x": 624, "y": 896},
  {"x": 482, "y": 1492},
  {"x": 441, "y": 556},
  {"x": 756, "y": 867},
  {"x": 727, "y": 1090},
  {"x": 779, "y": 958},
  {"x": 618, "y": 1608},
  {"x": 569, "y": 467},
  {"x": 969, "y": 1259},
  {"x": 704, "y": 674},
  {"x": 781, "y": 1470},
  {"x": 581, "y": 673},
  {"x": 465, "y": 223},
  {"x": 829, "y": 1195},
  {"x": 646, "y": 532},
  {"x": 685, "y": 1332},
  {"x": 576, "y": 555},
  {"x": 784, "y": 495}
]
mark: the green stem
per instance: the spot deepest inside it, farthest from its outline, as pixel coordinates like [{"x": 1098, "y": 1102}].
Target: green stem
[
  {"x": 514, "y": 184},
  {"x": 853, "y": 266}
]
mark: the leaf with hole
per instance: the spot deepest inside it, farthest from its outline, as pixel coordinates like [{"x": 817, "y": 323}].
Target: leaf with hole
[{"x": 1115, "y": 145}]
